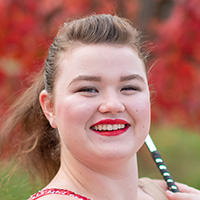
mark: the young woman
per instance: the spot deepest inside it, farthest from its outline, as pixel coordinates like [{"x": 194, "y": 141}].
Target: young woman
[{"x": 82, "y": 122}]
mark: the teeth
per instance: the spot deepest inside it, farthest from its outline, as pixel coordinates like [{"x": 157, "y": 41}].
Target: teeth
[
  {"x": 104, "y": 127},
  {"x": 108, "y": 127},
  {"x": 115, "y": 126}
]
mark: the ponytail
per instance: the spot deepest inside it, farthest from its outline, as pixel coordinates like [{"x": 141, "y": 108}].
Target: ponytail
[{"x": 27, "y": 135}]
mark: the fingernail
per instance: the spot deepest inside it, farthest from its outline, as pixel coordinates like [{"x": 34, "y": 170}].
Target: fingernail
[{"x": 169, "y": 193}]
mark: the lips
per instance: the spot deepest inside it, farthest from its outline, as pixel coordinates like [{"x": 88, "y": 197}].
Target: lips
[{"x": 110, "y": 127}]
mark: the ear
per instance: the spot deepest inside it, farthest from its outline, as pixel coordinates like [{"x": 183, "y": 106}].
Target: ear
[{"x": 48, "y": 107}]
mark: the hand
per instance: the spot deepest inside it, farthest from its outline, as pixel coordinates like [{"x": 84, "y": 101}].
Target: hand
[{"x": 186, "y": 193}]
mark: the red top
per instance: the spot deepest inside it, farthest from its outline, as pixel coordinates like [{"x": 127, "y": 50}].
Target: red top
[{"x": 56, "y": 191}]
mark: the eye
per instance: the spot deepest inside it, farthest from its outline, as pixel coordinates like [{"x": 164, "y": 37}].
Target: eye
[
  {"x": 130, "y": 89},
  {"x": 88, "y": 90}
]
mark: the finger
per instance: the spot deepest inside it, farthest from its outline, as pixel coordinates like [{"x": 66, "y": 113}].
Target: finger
[
  {"x": 187, "y": 189},
  {"x": 182, "y": 196}
]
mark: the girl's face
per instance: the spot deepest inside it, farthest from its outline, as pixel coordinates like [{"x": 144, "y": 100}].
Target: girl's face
[{"x": 101, "y": 103}]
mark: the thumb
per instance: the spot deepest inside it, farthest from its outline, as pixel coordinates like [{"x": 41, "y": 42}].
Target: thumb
[{"x": 181, "y": 196}]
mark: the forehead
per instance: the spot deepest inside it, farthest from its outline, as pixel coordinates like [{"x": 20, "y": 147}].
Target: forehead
[{"x": 90, "y": 58}]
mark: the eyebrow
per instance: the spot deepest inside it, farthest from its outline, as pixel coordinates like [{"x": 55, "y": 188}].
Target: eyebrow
[
  {"x": 98, "y": 78},
  {"x": 131, "y": 77},
  {"x": 86, "y": 78}
]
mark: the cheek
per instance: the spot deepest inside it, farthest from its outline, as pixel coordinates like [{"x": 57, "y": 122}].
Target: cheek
[
  {"x": 72, "y": 117},
  {"x": 72, "y": 112},
  {"x": 69, "y": 120},
  {"x": 141, "y": 112},
  {"x": 144, "y": 109},
  {"x": 141, "y": 115}
]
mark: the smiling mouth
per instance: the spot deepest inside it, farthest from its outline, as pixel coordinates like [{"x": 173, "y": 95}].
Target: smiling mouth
[{"x": 110, "y": 129}]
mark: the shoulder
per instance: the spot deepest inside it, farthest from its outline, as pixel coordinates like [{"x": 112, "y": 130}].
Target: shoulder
[
  {"x": 155, "y": 188},
  {"x": 156, "y": 182},
  {"x": 160, "y": 183}
]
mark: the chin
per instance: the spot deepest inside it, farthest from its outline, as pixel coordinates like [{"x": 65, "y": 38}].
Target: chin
[{"x": 116, "y": 153}]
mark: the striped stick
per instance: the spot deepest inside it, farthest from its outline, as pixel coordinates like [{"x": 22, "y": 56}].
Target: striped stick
[{"x": 160, "y": 164}]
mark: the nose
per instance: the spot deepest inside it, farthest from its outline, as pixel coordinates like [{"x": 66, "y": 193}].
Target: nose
[{"x": 111, "y": 104}]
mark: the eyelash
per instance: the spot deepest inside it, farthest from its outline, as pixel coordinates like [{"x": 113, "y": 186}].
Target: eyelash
[
  {"x": 130, "y": 88},
  {"x": 94, "y": 90},
  {"x": 88, "y": 89}
]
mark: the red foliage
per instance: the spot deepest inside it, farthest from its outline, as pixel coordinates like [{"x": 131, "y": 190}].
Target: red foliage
[{"x": 176, "y": 76}]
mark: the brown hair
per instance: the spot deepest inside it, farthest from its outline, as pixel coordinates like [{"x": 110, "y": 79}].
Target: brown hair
[{"x": 27, "y": 133}]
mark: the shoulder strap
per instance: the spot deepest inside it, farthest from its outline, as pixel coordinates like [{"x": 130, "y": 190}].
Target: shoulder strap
[{"x": 56, "y": 191}]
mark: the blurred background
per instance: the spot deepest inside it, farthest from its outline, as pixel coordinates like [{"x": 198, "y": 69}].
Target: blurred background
[{"x": 172, "y": 27}]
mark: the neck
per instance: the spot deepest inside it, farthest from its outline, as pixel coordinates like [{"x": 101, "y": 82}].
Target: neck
[{"x": 115, "y": 180}]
